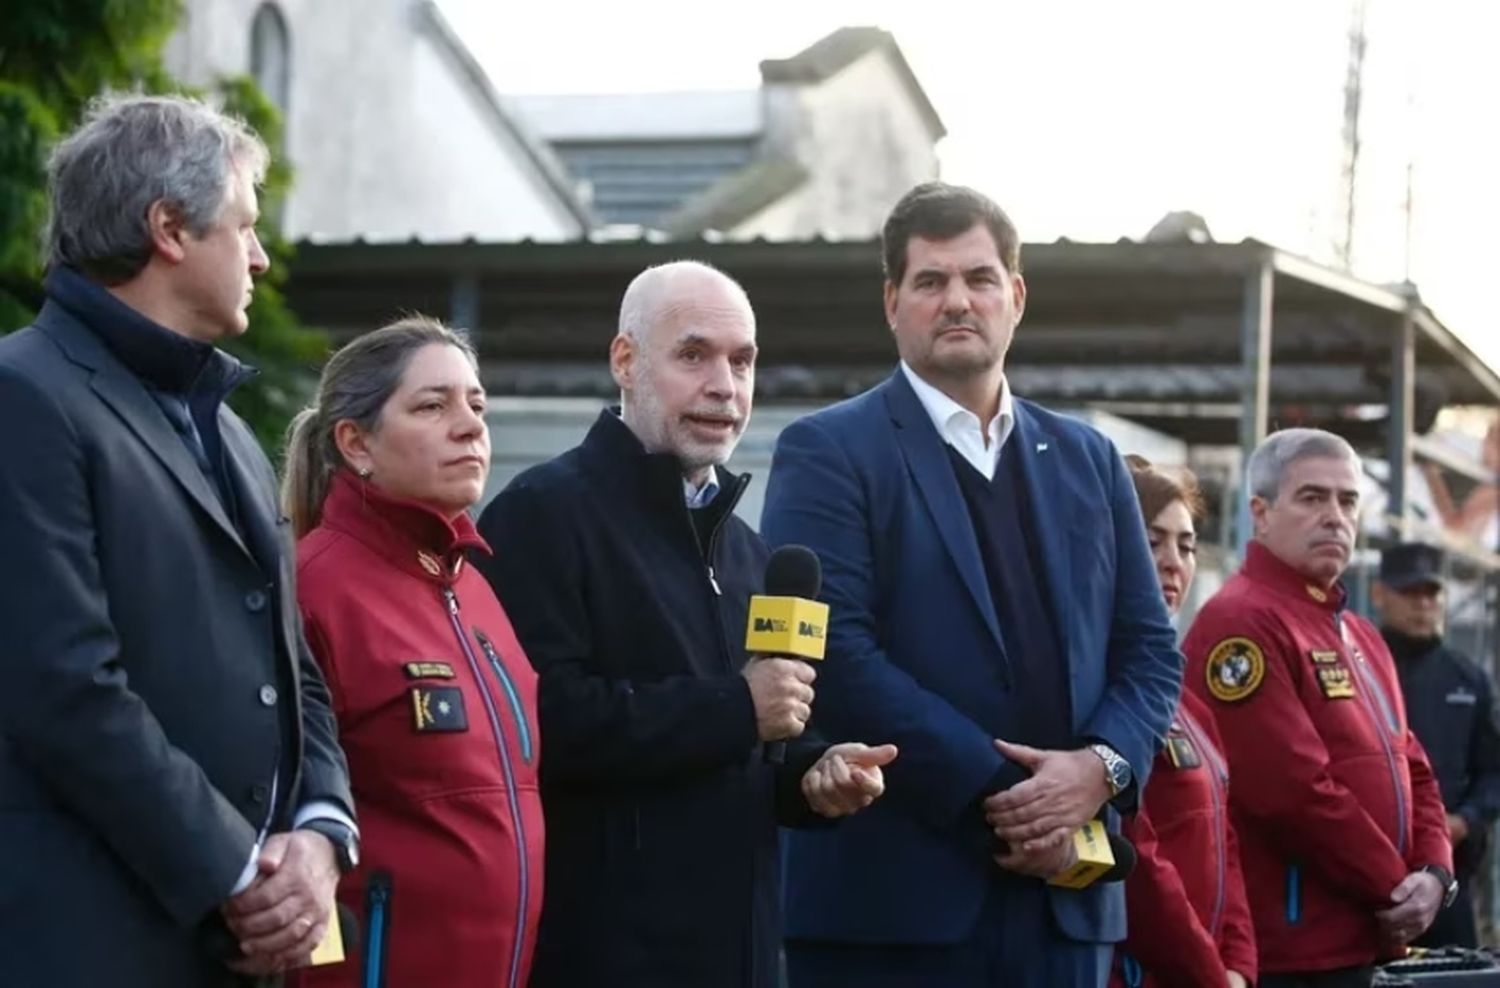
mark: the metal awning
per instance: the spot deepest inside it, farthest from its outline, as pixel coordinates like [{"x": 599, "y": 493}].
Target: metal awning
[{"x": 1210, "y": 343}]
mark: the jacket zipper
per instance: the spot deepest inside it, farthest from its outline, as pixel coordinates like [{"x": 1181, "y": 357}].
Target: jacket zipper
[
  {"x": 377, "y": 923},
  {"x": 1384, "y": 726},
  {"x": 510, "y": 784},
  {"x": 1218, "y": 778},
  {"x": 511, "y": 693},
  {"x": 734, "y": 493}
]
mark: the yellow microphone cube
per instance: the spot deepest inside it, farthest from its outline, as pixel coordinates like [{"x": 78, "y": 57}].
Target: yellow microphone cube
[
  {"x": 1091, "y": 841},
  {"x": 330, "y": 950},
  {"x": 789, "y": 626}
]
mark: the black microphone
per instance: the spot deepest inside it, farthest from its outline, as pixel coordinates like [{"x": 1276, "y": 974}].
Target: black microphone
[
  {"x": 1125, "y": 860},
  {"x": 787, "y": 622}
]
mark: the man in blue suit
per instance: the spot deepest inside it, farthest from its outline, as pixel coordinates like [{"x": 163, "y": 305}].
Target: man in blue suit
[{"x": 995, "y": 613}]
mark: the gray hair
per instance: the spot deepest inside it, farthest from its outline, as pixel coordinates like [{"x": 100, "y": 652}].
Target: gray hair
[
  {"x": 646, "y": 290},
  {"x": 356, "y": 383},
  {"x": 130, "y": 152},
  {"x": 1281, "y": 449}
]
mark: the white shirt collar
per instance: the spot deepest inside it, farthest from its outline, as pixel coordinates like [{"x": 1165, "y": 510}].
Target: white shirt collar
[{"x": 959, "y": 427}]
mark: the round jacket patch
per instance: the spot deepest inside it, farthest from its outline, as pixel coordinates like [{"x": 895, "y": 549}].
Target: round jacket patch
[{"x": 1235, "y": 668}]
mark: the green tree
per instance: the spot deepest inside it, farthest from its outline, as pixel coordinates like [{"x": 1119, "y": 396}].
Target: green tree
[{"x": 56, "y": 55}]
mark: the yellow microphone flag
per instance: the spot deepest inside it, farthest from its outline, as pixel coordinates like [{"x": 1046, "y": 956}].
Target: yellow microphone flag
[
  {"x": 789, "y": 626},
  {"x": 1091, "y": 841},
  {"x": 330, "y": 950}
]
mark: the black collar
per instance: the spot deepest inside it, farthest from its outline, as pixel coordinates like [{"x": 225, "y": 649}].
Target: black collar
[
  {"x": 164, "y": 360},
  {"x": 1405, "y": 648},
  {"x": 622, "y": 454}
]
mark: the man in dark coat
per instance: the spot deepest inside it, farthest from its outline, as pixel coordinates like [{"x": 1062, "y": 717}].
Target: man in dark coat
[
  {"x": 628, "y": 578},
  {"x": 163, "y": 729},
  {"x": 1451, "y": 704}
]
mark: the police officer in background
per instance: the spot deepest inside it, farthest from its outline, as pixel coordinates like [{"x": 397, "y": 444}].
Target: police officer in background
[{"x": 1450, "y": 705}]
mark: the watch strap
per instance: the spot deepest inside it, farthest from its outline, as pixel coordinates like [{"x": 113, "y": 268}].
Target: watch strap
[
  {"x": 1446, "y": 880},
  {"x": 343, "y": 839}
]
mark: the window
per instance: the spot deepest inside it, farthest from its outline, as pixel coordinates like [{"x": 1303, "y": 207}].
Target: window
[{"x": 271, "y": 55}]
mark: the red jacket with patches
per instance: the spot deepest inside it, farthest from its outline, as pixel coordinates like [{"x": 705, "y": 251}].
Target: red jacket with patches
[
  {"x": 1185, "y": 902},
  {"x": 436, "y": 708},
  {"x": 1334, "y": 801}
]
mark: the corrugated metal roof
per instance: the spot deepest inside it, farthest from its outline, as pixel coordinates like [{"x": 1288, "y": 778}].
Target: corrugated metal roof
[{"x": 1323, "y": 314}]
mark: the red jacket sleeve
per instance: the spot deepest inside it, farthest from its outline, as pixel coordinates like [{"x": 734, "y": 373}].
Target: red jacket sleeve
[
  {"x": 1165, "y": 935},
  {"x": 1279, "y": 767},
  {"x": 1430, "y": 844}
]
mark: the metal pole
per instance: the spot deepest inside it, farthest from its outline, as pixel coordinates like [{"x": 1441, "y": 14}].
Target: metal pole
[
  {"x": 1255, "y": 383},
  {"x": 1400, "y": 422},
  {"x": 463, "y": 304}
]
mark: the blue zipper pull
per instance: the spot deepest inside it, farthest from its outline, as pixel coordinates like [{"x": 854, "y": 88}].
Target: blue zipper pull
[{"x": 377, "y": 897}]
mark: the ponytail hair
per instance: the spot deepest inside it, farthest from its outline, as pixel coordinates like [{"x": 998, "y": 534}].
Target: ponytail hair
[{"x": 356, "y": 383}]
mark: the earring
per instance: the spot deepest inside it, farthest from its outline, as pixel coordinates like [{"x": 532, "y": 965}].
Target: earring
[{"x": 364, "y": 473}]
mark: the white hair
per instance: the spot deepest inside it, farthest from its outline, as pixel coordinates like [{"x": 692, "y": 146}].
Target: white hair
[{"x": 1281, "y": 449}]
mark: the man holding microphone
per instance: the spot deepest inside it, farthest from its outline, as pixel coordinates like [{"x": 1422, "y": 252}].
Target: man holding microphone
[{"x": 629, "y": 581}]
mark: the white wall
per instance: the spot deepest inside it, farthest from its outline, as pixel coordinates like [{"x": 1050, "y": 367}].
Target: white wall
[
  {"x": 387, "y": 136},
  {"x": 863, "y": 143}
]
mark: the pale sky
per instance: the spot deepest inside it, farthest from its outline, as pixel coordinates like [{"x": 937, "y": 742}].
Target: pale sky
[{"x": 1092, "y": 119}]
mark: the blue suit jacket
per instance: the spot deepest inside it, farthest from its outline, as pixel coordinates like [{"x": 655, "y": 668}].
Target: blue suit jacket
[{"x": 914, "y": 654}]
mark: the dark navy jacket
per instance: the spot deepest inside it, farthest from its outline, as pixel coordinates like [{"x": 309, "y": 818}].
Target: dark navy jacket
[
  {"x": 1450, "y": 703},
  {"x": 159, "y": 702},
  {"x": 916, "y": 654},
  {"x": 661, "y": 811}
]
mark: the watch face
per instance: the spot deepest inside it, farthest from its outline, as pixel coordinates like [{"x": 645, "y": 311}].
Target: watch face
[{"x": 1115, "y": 767}]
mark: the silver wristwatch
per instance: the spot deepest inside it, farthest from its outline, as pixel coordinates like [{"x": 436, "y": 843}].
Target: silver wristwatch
[{"x": 1116, "y": 768}]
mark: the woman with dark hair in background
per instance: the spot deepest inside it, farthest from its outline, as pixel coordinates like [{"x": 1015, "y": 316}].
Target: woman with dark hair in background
[
  {"x": 1188, "y": 919},
  {"x": 435, "y": 699}
]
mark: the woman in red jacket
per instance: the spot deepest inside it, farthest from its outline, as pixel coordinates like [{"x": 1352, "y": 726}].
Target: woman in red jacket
[
  {"x": 435, "y": 700},
  {"x": 1188, "y": 920}
]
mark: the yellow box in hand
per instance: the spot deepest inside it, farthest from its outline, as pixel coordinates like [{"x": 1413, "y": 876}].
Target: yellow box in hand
[
  {"x": 330, "y": 950},
  {"x": 1091, "y": 842},
  {"x": 787, "y": 626}
]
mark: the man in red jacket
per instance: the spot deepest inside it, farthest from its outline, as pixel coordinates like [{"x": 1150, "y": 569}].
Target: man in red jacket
[{"x": 1342, "y": 831}]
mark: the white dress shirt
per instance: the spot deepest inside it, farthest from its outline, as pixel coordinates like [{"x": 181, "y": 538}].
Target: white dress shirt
[{"x": 960, "y": 427}]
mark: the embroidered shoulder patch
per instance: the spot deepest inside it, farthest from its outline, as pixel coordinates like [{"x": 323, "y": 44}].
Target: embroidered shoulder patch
[
  {"x": 1335, "y": 682},
  {"x": 438, "y": 708},
  {"x": 1235, "y": 669}
]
